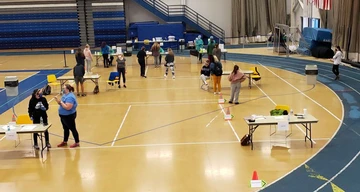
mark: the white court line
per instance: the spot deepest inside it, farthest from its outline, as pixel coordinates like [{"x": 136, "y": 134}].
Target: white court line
[
  {"x": 337, "y": 130},
  {"x": 2, "y": 137},
  {"x": 276, "y": 104},
  {"x": 338, "y": 173},
  {"x": 152, "y": 102},
  {"x": 237, "y": 137},
  {"x": 122, "y": 123},
  {"x": 213, "y": 119},
  {"x": 301, "y": 92}
]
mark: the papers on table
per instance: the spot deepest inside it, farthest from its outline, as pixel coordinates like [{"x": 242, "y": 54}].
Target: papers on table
[
  {"x": 23, "y": 127},
  {"x": 28, "y": 127}
]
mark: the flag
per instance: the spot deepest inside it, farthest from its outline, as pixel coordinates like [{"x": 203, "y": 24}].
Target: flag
[{"x": 321, "y": 4}]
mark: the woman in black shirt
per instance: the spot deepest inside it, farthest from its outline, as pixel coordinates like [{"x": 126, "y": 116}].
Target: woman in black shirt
[
  {"x": 141, "y": 59},
  {"x": 80, "y": 57}
]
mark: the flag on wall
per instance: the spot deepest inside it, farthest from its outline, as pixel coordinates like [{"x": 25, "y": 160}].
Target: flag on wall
[{"x": 321, "y": 4}]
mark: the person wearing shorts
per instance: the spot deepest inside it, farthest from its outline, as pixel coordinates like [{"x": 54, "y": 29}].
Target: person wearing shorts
[{"x": 79, "y": 72}]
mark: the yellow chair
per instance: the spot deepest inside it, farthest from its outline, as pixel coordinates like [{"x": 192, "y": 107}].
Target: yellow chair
[
  {"x": 113, "y": 75},
  {"x": 52, "y": 80},
  {"x": 282, "y": 107},
  {"x": 21, "y": 120},
  {"x": 256, "y": 75},
  {"x": 114, "y": 82}
]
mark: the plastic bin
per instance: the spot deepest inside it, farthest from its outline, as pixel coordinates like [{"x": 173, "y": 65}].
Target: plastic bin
[
  {"x": 129, "y": 46},
  {"x": 311, "y": 72},
  {"x": 11, "y": 84}
]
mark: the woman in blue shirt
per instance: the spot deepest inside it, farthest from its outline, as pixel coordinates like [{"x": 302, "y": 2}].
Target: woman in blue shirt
[{"x": 67, "y": 113}]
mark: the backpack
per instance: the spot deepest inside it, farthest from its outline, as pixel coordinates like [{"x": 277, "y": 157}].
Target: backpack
[
  {"x": 46, "y": 90},
  {"x": 245, "y": 141},
  {"x": 96, "y": 89},
  {"x": 218, "y": 69}
]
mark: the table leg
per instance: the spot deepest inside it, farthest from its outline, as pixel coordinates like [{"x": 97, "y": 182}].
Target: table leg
[
  {"x": 250, "y": 79},
  {"x": 250, "y": 135},
  {"x": 40, "y": 135},
  {"x": 310, "y": 135}
]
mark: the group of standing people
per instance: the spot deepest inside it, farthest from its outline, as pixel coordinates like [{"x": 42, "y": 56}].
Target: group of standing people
[
  {"x": 156, "y": 52},
  {"x": 37, "y": 110}
]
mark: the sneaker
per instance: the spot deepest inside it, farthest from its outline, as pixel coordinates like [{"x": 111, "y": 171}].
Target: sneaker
[
  {"x": 173, "y": 77},
  {"x": 124, "y": 86},
  {"x": 62, "y": 144},
  {"x": 237, "y": 103},
  {"x": 78, "y": 95},
  {"x": 83, "y": 94},
  {"x": 165, "y": 76},
  {"x": 48, "y": 145},
  {"x": 75, "y": 145},
  {"x": 215, "y": 93},
  {"x": 36, "y": 147},
  {"x": 230, "y": 102},
  {"x": 119, "y": 86}
]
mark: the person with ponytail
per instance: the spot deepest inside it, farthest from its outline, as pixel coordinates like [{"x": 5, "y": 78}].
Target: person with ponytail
[
  {"x": 67, "y": 113},
  {"x": 337, "y": 61},
  {"x": 236, "y": 78}
]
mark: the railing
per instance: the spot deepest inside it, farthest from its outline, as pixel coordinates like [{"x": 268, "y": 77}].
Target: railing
[{"x": 188, "y": 13}]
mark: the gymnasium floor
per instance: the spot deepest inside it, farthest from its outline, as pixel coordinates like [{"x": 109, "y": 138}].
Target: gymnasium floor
[{"x": 169, "y": 135}]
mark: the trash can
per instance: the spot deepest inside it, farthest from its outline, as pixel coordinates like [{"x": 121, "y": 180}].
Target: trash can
[
  {"x": 311, "y": 72},
  {"x": 129, "y": 46},
  {"x": 182, "y": 44},
  {"x": 12, "y": 86}
]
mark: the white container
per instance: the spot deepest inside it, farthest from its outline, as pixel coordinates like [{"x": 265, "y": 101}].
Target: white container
[
  {"x": 311, "y": 72},
  {"x": 305, "y": 112},
  {"x": 11, "y": 84}
]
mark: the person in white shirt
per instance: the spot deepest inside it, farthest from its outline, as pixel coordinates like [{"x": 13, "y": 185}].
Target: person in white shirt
[
  {"x": 337, "y": 61},
  {"x": 88, "y": 58}
]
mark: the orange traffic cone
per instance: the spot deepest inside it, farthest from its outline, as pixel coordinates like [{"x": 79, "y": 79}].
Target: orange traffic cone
[
  {"x": 228, "y": 111},
  {"x": 13, "y": 119},
  {"x": 255, "y": 176}
]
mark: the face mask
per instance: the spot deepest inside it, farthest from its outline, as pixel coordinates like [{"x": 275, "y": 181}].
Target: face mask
[{"x": 40, "y": 95}]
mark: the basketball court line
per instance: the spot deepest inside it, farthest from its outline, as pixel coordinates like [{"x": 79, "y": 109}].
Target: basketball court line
[
  {"x": 213, "y": 119},
  {"x": 236, "y": 135},
  {"x": 122, "y": 123},
  {"x": 171, "y": 144},
  {"x": 302, "y": 93},
  {"x": 338, "y": 173}
]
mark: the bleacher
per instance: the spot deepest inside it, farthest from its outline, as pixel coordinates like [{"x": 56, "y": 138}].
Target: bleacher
[
  {"x": 40, "y": 27},
  {"x": 109, "y": 24}
]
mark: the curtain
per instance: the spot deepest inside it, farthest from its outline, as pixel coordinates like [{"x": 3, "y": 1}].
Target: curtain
[{"x": 256, "y": 17}]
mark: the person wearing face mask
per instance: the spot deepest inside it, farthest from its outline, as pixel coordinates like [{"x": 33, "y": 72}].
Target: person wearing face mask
[
  {"x": 121, "y": 68},
  {"x": 38, "y": 106},
  {"x": 67, "y": 113}
]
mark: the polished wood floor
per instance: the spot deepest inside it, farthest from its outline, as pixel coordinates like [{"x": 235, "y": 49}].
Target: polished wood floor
[{"x": 161, "y": 135}]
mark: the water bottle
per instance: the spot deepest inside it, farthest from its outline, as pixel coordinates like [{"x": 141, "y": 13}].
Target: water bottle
[
  {"x": 291, "y": 112},
  {"x": 8, "y": 127},
  {"x": 305, "y": 112},
  {"x": 41, "y": 120}
]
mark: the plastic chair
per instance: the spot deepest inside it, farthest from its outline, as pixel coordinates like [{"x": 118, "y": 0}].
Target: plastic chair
[
  {"x": 112, "y": 80},
  {"x": 256, "y": 75},
  {"x": 285, "y": 108},
  {"x": 21, "y": 120},
  {"x": 52, "y": 80}
]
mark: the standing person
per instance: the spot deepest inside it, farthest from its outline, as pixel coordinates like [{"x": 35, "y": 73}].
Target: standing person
[
  {"x": 210, "y": 48},
  {"x": 199, "y": 44},
  {"x": 205, "y": 73},
  {"x": 216, "y": 73},
  {"x": 337, "y": 61},
  {"x": 236, "y": 78},
  {"x": 80, "y": 57},
  {"x": 155, "y": 49},
  {"x": 67, "y": 113},
  {"x": 105, "y": 51},
  {"x": 169, "y": 59},
  {"x": 121, "y": 68},
  {"x": 79, "y": 73},
  {"x": 88, "y": 58},
  {"x": 141, "y": 59},
  {"x": 38, "y": 106},
  {"x": 217, "y": 51}
]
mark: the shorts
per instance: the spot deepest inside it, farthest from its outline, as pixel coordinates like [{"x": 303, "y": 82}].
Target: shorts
[{"x": 79, "y": 80}]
